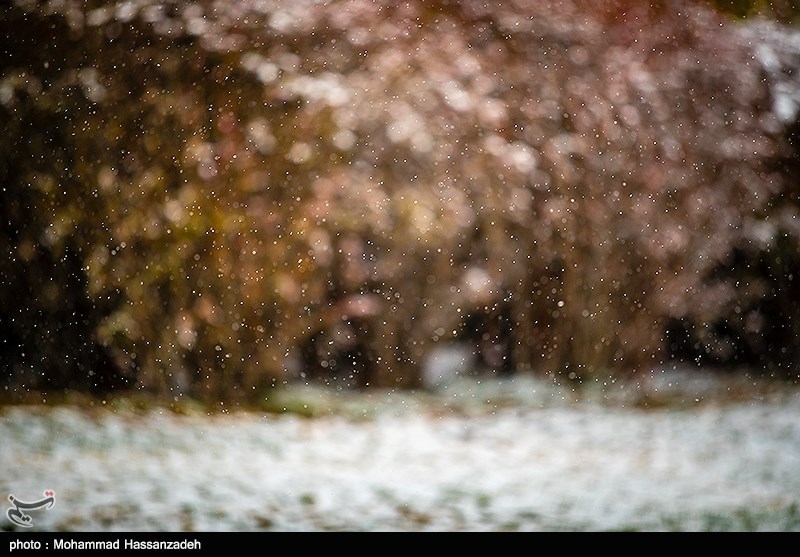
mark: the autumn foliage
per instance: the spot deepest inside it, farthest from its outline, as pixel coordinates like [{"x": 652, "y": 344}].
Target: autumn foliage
[{"x": 205, "y": 198}]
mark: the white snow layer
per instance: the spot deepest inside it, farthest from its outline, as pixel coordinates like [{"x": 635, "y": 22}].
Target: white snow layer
[{"x": 517, "y": 454}]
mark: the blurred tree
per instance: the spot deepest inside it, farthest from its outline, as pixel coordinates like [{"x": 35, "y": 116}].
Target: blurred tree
[{"x": 204, "y": 199}]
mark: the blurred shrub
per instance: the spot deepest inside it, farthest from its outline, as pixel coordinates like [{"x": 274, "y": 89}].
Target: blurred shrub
[
  {"x": 206, "y": 198},
  {"x": 786, "y": 11}
]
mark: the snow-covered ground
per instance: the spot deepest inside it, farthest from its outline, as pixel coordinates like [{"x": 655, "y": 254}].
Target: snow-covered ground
[{"x": 678, "y": 452}]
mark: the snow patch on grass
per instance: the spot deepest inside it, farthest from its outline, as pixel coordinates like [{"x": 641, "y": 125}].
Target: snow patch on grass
[{"x": 683, "y": 453}]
